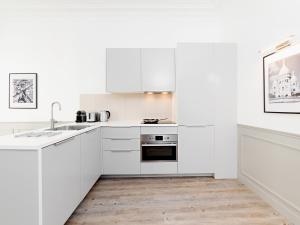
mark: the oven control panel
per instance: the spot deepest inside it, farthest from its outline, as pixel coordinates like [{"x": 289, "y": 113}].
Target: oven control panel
[{"x": 158, "y": 139}]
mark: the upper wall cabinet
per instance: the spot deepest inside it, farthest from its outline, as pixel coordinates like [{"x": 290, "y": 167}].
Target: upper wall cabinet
[
  {"x": 123, "y": 70},
  {"x": 132, "y": 70},
  {"x": 196, "y": 86},
  {"x": 158, "y": 69},
  {"x": 206, "y": 83}
]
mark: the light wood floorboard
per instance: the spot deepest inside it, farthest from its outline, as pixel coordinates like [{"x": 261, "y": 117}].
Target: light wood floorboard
[{"x": 174, "y": 201}]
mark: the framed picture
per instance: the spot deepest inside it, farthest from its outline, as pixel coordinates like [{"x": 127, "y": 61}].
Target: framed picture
[
  {"x": 282, "y": 81},
  {"x": 23, "y": 90}
]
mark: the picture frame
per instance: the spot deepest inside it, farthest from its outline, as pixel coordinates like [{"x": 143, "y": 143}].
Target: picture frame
[
  {"x": 281, "y": 81},
  {"x": 23, "y": 89}
]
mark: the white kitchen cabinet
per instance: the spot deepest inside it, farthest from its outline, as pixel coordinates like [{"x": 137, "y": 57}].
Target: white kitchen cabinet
[
  {"x": 206, "y": 95},
  {"x": 91, "y": 160},
  {"x": 124, "y": 162},
  {"x": 195, "y": 84},
  {"x": 226, "y": 112},
  {"x": 195, "y": 149},
  {"x": 60, "y": 180},
  {"x": 159, "y": 130},
  {"x": 134, "y": 70},
  {"x": 121, "y": 150},
  {"x": 123, "y": 70},
  {"x": 120, "y": 133},
  {"x": 158, "y": 69},
  {"x": 19, "y": 190},
  {"x": 119, "y": 144},
  {"x": 154, "y": 168}
]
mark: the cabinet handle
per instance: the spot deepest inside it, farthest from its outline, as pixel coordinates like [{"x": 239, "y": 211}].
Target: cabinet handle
[
  {"x": 158, "y": 145},
  {"x": 120, "y": 139},
  {"x": 64, "y": 141},
  {"x": 208, "y": 125},
  {"x": 117, "y": 151}
]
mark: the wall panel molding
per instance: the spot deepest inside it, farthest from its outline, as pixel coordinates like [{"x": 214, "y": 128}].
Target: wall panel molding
[{"x": 269, "y": 164}]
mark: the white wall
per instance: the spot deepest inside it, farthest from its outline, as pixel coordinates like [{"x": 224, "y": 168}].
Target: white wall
[
  {"x": 267, "y": 159},
  {"x": 256, "y": 25},
  {"x": 65, "y": 44}
]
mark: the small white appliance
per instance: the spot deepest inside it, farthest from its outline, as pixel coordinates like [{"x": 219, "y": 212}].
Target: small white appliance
[
  {"x": 91, "y": 117},
  {"x": 104, "y": 116}
]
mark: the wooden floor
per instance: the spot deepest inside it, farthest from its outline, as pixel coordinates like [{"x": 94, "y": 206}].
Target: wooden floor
[{"x": 174, "y": 201}]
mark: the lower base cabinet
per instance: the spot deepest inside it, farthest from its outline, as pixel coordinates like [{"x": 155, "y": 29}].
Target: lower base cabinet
[
  {"x": 91, "y": 160},
  {"x": 60, "y": 175},
  {"x": 195, "y": 149},
  {"x": 60, "y": 180},
  {"x": 154, "y": 168},
  {"x": 121, "y": 162},
  {"x": 69, "y": 170},
  {"x": 19, "y": 187},
  {"x": 121, "y": 151}
]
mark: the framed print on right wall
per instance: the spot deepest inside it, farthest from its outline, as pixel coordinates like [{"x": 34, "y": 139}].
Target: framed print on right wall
[{"x": 282, "y": 81}]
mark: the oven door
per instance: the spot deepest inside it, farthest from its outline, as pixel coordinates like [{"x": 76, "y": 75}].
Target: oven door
[{"x": 159, "y": 152}]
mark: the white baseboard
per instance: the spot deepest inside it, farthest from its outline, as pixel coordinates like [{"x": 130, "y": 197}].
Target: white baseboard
[{"x": 284, "y": 209}]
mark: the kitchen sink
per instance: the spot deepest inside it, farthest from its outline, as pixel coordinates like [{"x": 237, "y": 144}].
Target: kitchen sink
[
  {"x": 38, "y": 134},
  {"x": 70, "y": 127}
]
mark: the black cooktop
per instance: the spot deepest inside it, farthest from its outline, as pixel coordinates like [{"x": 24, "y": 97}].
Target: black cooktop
[{"x": 157, "y": 121}]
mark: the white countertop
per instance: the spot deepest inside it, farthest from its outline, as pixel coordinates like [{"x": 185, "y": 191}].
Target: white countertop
[
  {"x": 132, "y": 124},
  {"x": 10, "y": 142}
]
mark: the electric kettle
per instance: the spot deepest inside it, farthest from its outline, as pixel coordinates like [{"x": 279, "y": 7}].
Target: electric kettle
[{"x": 104, "y": 116}]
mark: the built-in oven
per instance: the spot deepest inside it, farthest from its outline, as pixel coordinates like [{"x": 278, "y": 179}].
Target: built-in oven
[{"x": 159, "y": 147}]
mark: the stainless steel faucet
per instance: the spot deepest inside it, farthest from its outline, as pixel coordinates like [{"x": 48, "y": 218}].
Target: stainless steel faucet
[{"x": 52, "y": 120}]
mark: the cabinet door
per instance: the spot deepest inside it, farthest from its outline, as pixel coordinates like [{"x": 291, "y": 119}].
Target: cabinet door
[
  {"x": 195, "y": 149},
  {"x": 122, "y": 162},
  {"x": 158, "y": 69},
  {"x": 61, "y": 180},
  {"x": 196, "y": 81},
  {"x": 121, "y": 150},
  {"x": 120, "y": 144},
  {"x": 90, "y": 160},
  {"x": 153, "y": 168},
  {"x": 123, "y": 70},
  {"x": 19, "y": 187},
  {"x": 226, "y": 113}
]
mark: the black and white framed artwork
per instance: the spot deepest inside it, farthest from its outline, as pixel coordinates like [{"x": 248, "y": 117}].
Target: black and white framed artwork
[
  {"x": 282, "y": 81},
  {"x": 23, "y": 90}
]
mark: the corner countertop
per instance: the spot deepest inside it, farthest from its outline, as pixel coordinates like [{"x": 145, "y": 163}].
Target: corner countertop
[{"x": 10, "y": 142}]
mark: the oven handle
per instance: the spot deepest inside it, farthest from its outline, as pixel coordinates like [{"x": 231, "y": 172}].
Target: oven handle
[{"x": 159, "y": 145}]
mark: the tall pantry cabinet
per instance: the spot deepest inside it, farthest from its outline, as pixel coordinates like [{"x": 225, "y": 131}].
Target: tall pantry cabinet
[{"x": 206, "y": 108}]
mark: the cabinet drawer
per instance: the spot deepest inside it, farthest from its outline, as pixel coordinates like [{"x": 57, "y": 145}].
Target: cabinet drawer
[
  {"x": 159, "y": 168},
  {"x": 119, "y": 144},
  {"x": 121, "y": 132},
  {"x": 121, "y": 162},
  {"x": 158, "y": 130}
]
